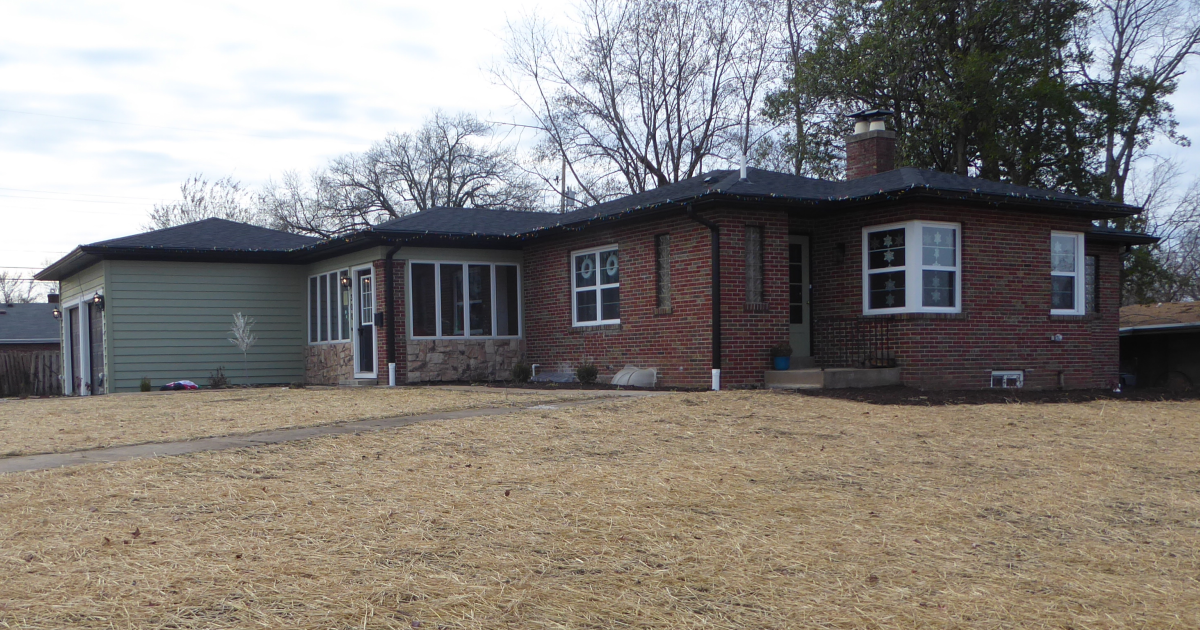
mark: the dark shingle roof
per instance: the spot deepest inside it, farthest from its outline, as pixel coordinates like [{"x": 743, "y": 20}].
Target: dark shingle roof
[
  {"x": 28, "y": 323},
  {"x": 211, "y": 234},
  {"x": 479, "y": 221}
]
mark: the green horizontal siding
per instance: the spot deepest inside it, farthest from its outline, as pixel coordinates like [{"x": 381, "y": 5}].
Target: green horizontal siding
[{"x": 171, "y": 321}]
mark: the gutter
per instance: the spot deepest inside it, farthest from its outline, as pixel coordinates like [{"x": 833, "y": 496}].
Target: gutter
[
  {"x": 389, "y": 309},
  {"x": 716, "y": 294}
]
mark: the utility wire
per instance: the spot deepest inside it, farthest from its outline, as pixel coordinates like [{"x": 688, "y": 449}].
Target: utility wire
[
  {"x": 129, "y": 124},
  {"x": 54, "y": 192}
]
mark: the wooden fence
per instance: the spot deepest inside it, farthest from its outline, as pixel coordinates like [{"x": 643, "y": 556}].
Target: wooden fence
[{"x": 30, "y": 373}]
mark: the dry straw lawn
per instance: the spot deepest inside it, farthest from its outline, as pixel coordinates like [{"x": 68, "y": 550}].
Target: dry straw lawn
[
  {"x": 58, "y": 425},
  {"x": 732, "y": 510}
]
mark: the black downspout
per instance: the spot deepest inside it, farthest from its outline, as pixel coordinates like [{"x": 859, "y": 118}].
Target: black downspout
[
  {"x": 716, "y": 284},
  {"x": 389, "y": 293}
]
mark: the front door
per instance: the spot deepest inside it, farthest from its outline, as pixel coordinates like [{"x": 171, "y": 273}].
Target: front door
[
  {"x": 799, "y": 296},
  {"x": 76, "y": 371},
  {"x": 364, "y": 341},
  {"x": 96, "y": 348}
]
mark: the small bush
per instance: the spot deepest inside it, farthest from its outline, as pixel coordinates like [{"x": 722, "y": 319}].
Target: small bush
[
  {"x": 521, "y": 373},
  {"x": 297, "y": 385},
  {"x": 783, "y": 349},
  {"x": 145, "y": 386},
  {"x": 218, "y": 380},
  {"x": 587, "y": 373}
]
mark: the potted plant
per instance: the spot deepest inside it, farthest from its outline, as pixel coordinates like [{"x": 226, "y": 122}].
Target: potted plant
[{"x": 781, "y": 355}]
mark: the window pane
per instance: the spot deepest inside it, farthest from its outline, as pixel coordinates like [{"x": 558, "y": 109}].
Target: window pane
[
  {"x": 424, "y": 304},
  {"x": 479, "y": 289},
  {"x": 937, "y": 288},
  {"x": 366, "y": 299},
  {"x": 452, "y": 300},
  {"x": 323, "y": 294},
  {"x": 662, "y": 268},
  {"x": 313, "y": 318},
  {"x": 1089, "y": 287},
  {"x": 1062, "y": 292},
  {"x": 507, "y": 304},
  {"x": 585, "y": 270},
  {"x": 585, "y": 306},
  {"x": 1062, "y": 254},
  {"x": 609, "y": 274},
  {"x": 754, "y": 265},
  {"x": 886, "y": 290},
  {"x": 885, "y": 249},
  {"x": 937, "y": 246},
  {"x": 610, "y": 303},
  {"x": 344, "y": 290}
]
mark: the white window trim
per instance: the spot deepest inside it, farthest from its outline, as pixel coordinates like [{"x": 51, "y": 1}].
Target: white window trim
[
  {"x": 308, "y": 309},
  {"x": 913, "y": 266},
  {"x": 83, "y": 330},
  {"x": 1080, "y": 274},
  {"x": 437, "y": 292},
  {"x": 574, "y": 290}
]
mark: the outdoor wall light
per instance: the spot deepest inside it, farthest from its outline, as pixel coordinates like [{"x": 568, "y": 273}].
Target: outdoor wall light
[
  {"x": 56, "y": 313},
  {"x": 98, "y": 300},
  {"x": 346, "y": 282}
]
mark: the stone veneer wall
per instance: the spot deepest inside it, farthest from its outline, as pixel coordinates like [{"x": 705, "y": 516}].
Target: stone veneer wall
[
  {"x": 329, "y": 364},
  {"x": 462, "y": 360}
]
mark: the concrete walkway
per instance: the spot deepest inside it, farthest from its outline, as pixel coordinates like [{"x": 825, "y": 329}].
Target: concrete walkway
[{"x": 161, "y": 449}]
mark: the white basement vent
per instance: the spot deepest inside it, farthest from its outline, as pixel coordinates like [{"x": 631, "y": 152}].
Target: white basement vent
[{"x": 1008, "y": 379}]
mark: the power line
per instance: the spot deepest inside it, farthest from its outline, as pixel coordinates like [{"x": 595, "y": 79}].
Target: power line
[
  {"x": 129, "y": 124},
  {"x": 118, "y": 203},
  {"x": 54, "y": 192}
]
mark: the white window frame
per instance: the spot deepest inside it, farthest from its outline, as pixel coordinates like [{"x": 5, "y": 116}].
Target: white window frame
[
  {"x": 335, "y": 290},
  {"x": 576, "y": 290},
  {"x": 437, "y": 293},
  {"x": 1079, "y": 274},
  {"x": 1008, "y": 379},
  {"x": 913, "y": 268}
]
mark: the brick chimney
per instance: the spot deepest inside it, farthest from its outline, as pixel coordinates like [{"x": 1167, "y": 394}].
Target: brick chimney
[{"x": 871, "y": 149}]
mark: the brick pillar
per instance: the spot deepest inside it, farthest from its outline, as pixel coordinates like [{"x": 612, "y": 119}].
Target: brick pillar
[
  {"x": 401, "y": 328},
  {"x": 870, "y": 152}
]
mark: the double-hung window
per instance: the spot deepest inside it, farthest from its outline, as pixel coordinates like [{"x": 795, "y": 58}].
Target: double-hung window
[
  {"x": 596, "y": 287},
  {"x": 455, "y": 299},
  {"x": 329, "y": 304},
  {"x": 913, "y": 267},
  {"x": 1067, "y": 278}
]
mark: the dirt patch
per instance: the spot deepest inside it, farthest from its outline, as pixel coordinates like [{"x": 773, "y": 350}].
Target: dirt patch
[
  {"x": 59, "y": 425},
  {"x": 714, "y": 510},
  {"x": 909, "y": 396}
]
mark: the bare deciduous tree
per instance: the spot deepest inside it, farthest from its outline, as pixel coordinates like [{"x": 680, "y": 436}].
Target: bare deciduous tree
[
  {"x": 640, "y": 92},
  {"x": 223, "y": 198},
  {"x": 16, "y": 290}
]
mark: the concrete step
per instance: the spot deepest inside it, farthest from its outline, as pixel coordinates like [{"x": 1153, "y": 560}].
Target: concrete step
[
  {"x": 833, "y": 378},
  {"x": 359, "y": 382}
]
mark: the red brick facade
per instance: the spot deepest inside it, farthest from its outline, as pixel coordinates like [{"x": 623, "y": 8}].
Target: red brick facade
[
  {"x": 381, "y": 356},
  {"x": 1005, "y": 323}
]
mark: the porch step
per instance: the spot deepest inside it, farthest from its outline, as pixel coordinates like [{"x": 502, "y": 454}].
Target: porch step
[
  {"x": 832, "y": 378},
  {"x": 359, "y": 382}
]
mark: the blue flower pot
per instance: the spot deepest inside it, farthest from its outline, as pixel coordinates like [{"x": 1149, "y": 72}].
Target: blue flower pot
[{"x": 783, "y": 363}]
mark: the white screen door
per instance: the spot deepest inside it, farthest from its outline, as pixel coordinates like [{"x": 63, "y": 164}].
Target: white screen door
[{"x": 799, "y": 296}]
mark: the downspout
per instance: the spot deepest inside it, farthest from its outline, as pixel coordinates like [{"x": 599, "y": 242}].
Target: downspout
[
  {"x": 389, "y": 293},
  {"x": 716, "y": 294}
]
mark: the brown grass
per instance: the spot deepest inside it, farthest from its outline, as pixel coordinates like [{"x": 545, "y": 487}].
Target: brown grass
[
  {"x": 732, "y": 510},
  {"x": 58, "y": 425}
]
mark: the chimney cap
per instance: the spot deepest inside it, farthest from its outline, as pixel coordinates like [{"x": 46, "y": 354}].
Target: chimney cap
[{"x": 867, "y": 115}]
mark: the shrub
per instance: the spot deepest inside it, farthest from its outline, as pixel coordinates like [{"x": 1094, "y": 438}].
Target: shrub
[
  {"x": 521, "y": 373},
  {"x": 218, "y": 380},
  {"x": 145, "y": 386},
  {"x": 587, "y": 373}
]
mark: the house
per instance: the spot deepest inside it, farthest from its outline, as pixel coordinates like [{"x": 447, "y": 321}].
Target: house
[
  {"x": 1160, "y": 345},
  {"x": 930, "y": 279},
  {"x": 29, "y": 327}
]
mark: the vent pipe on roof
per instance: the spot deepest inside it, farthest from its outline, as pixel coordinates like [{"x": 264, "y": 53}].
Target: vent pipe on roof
[{"x": 743, "y": 173}]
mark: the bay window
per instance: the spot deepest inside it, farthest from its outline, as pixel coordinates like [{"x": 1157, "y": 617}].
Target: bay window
[
  {"x": 329, "y": 307},
  {"x": 596, "y": 287},
  {"x": 912, "y": 267},
  {"x": 1067, "y": 282},
  {"x": 464, "y": 299}
]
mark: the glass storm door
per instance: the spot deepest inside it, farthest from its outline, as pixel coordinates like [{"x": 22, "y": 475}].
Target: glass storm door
[
  {"x": 365, "y": 340},
  {"x": 76, "y": 384},
  {"x": 96, "y": 349},
  {"x": 799, "y": 296}
]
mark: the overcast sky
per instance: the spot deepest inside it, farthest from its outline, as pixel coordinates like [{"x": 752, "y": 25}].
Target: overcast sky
[{"x": 105, "y": 107}]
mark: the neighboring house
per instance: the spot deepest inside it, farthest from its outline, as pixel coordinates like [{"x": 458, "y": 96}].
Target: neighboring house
[
  {"x": 954, "y": 281},
  {"x": 1160, "y": 344},
  {"x": 28, "y": 327}
]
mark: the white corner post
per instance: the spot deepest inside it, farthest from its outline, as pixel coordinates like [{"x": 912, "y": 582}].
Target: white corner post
[
  {"x": 391, "y": 375},
  {"x": 716, "y": 381}
]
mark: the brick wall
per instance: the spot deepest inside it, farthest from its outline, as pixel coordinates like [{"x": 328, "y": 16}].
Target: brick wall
[
  {"x": 381, "y": 356},
  {"x": 1005, "y": 322},
  {"x": 678, "y": 342}
]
